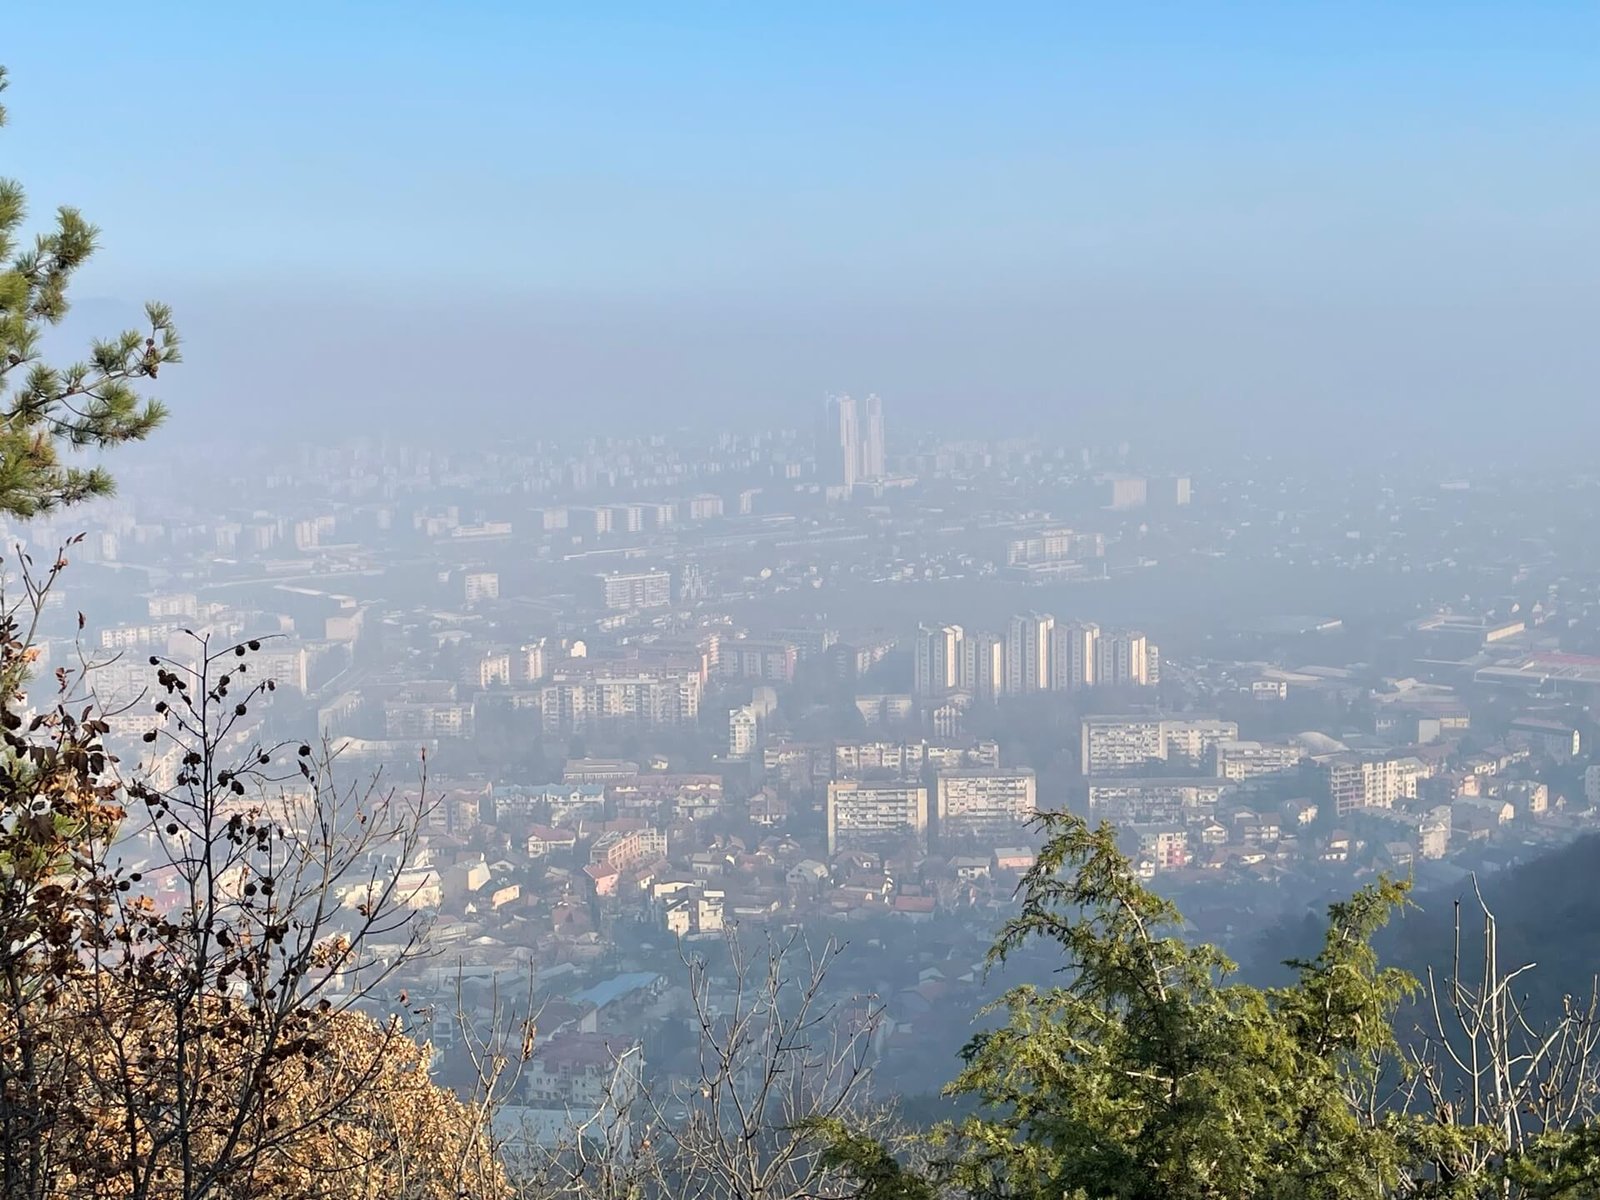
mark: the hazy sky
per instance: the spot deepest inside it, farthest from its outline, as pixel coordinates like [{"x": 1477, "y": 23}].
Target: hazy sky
[{"x": 1174, "y": 216}]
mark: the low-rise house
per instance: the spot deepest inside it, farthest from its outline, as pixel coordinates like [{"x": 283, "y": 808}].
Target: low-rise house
[
  {"x": 808, "y": 872},
  {"x": 1013, "y": 860},
  {"x": 544, "y": 840},
  {"x": 969, "y": 868}
]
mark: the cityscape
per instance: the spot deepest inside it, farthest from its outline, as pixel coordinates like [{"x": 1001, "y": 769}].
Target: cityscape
[
  {"x": 827, "y": 602},
  {"x": 641, "y": 686}
]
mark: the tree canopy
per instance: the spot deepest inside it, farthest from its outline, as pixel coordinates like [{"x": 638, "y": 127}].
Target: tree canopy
[
  {"x": 1151, "y": 1073},
  {"x": 47, "y": 411}
]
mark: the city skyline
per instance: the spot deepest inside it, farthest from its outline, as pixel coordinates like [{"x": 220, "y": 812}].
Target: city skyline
[{"x": 650, "y": 569}]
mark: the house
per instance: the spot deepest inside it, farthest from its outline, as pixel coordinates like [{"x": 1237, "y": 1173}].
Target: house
[
  {"x": 767, "y": 808},
  {"x": 808, "y": 872},
  {"x": 695, "y": 912},
  {"x": 967, "y": 869},
  {"x": 1013, "y": 860},
  {"x": 1299, "y": 812},
  {"x": 1556, "y": 739},
  {"x": 544, "y": 840},
  {"x": 419, "y": 889},
  {"x": 1476, "y": 815},
  {"x": 1531, "y": 798},
  {"x": 1398, "y": 855},
  {"x": 918, "y": 908},
  {"x": 706, "y": 864}
]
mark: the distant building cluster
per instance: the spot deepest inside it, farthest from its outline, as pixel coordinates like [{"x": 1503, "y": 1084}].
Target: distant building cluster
[
  {"x": 664, "y": 686},
  {"x": 1035, "y": 654}
]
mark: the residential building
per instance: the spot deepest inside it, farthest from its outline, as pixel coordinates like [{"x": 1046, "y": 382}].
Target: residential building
[
  {"x": 1556, "y": 739},
  {"x": 1028, "y": 644},
  {"x": 983, "y": 666},
  {"x": 1118, "y": 744},
  {"x": 1122, "y": 660},
  {"x": 1370, "y": 780},
  {"x": 1249, "y": 760},
  {"x": 749, "y": 658},
  {"x": 545, "y": 840},
  {"x": 623, "y": 850},
  {"x": 556, "y": 803},
  {"x": 478, "y": 586},
  {"x": 1192, "y": 738},
  {"x": 984, "y": 803},
  {"x": 872, "y": 441},
  {"x": 489, "y": 670},
  {"x": 839, "y": 444},
  {"x": 631, "y": 591},
  {"x": 875, "y": 816},
  {"x": 1127, "y": 492},
  {"x": 937, "y": 666},
  {"x": 582, "y": 1073},
  {"x": 1112, "y": 744},
  {"x": 426, "y": 719},
  {"x": 705, "y": 507},
  {"x": 1164, "y": 847},
  {"x": 570, "y": 703},
  {"x": 1148, "y": 798},
  {"x": 1073, "y": 656},
  {"x": 744, "y": 732},
  {"x": 695, "y": 911}
]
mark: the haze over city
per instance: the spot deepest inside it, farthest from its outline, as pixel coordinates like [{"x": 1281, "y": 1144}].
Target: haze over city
[
  {"x": 1227, "y": 222},
  {"x": 831, "y": 602}
]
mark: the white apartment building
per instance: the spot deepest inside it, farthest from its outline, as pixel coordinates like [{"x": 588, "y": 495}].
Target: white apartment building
[
  {"x": 1146, "y": 799},
  {"x": 875, "y": 816},
  {"x": 983, "y": 666},
  {"x": 1028, "y": 643},
  {"x": 744, "y": 732},
  {"x": 1250, "y": 760},
  {"x": 1073, "y": 656},
  {"x": 628, "y": 591},
  {"x": 1113, "y": 744},
  {"x": 937, "y": 668},
  {"x": 1371, "y": 781},
  {"x": 478, "y": 586},
  {"x": 984, "y": 803}
]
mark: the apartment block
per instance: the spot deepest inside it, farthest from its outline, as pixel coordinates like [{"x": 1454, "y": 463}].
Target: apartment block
[
  {"x": 1112, "y": 744},
  {"x": 875, "y": 816},
  {"x": 1251, "y": 760},
  {"x": 938, "y": 660},
  {"x": 984, "y": 803},
  {"x": 630, "y": 591},
  {"x": 1150, "y": 799}
]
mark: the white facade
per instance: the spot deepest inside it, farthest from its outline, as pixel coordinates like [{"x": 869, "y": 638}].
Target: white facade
[
  {"x": 984, "y": 803},
  {"x": 1028, "y": 644},
  {"x": 875, "y": 816}
]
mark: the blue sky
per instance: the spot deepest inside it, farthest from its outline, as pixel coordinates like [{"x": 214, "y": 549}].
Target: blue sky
[{"x": 744, "y": 204}]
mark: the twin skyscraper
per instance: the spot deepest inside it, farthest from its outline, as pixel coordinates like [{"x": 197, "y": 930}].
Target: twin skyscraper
[{"x": 850, "y": 443}]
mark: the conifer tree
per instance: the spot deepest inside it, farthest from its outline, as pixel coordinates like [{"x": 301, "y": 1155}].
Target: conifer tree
[{"x": 48, "y": 412}]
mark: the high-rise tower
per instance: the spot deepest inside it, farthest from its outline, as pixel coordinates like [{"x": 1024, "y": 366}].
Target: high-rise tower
[
  {"x": 937, "y": 667},
  {"x": 1074, "y": 656},
  {"x": 872, "y": 454},
  {"x": 839, "y": 444},
  {"x": 1028, "y": 646}
]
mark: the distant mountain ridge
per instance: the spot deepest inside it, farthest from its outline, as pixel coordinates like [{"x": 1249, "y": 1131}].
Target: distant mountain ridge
[{"x": 1547, "y": 912}]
